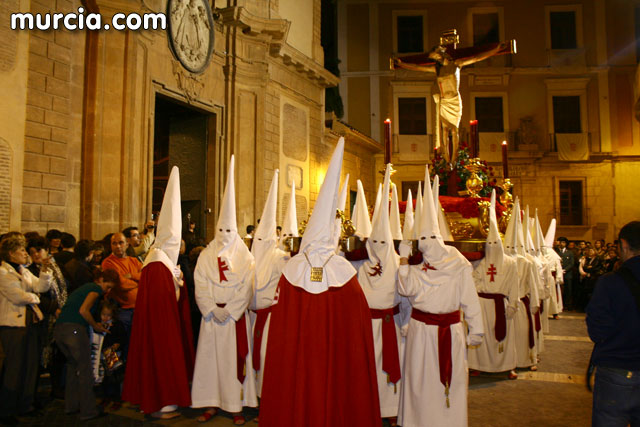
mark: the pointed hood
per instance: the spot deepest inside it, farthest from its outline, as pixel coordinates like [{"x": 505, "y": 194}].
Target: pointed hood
[
  {"x": 290, "y": 220},
  {"x": 166, "y": 247},
  {"x": 528, "y": 230},
  {"x": 317, "y": 248},
  {"x": 494, "y": 251},
  {"x": 407, "y": 229},
  {"x": 382, "y": 266},
  {"x": 342, "y": 203},
  {"x": 442, "y": 219},
  {"x": 265, "y": 242},
  {"x": 226, "y": 250},
  {"x": 431, "y": 243},
  {"x": 518, "y": 230},
  {"x": 376, "y": 206},
  {"x": 550, "y": 237},
  {"x": 360, "y": 215},
  {"x": 510, "y": 235},
  {"x": 538, "y": 237},
  {"x": 227, "y": 227},
  {"x": 394, "y": 216},
  {"x": 417, "y": 216}
]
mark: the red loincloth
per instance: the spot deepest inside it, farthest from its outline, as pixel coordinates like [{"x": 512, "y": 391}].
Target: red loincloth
[
  {"x": 159, "y": 368},
  {"x": 320, "y": 366}
]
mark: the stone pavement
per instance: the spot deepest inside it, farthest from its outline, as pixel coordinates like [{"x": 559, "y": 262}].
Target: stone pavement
[{"x": 555, "y": 395}]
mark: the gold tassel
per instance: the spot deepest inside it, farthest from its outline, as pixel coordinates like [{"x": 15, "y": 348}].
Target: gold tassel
[
  {"x": 242, "y": 394},
  {"x": 395, "y": 389},
  {"x": 446, "y": 393},
  {"x": 501, "y": 348}
]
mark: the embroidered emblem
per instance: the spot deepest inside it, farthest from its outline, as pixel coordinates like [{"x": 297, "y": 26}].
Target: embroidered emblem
[
  {"x": 492, "y": 272},
  {"x": 222, "y": 267},
  {"x": 377, "y": 270}
]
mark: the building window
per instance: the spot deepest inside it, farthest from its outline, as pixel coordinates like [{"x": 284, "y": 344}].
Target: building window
[
  {"x": 486, "y": 28},
  {"x": 571, "y": 212},
  {"x": 412, "y": 116},
  {"x": 563, "y": 29},
  {"x": 566, "y": 114},
  {"x": 489, "y": 114},
  {"x": 410, "y": 33}
]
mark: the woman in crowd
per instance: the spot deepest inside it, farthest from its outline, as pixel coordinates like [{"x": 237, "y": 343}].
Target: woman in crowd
[
  {"x": 71, "y": 335},
  {"x": 610, "y": 260},
  {"x": 54, "y": 240},
  {"x": 79, "y": 268},
  {"x": 18, "y": 310},
  {"x": 590, "y": 269}
]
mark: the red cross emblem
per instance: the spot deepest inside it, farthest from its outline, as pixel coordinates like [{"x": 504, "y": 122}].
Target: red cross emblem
[
  {"x": 492, "y": 272},
  {"x": 426, "y": 267},
  {"x": 222, "y": 267},
  {"x": 377, "y": 270}
]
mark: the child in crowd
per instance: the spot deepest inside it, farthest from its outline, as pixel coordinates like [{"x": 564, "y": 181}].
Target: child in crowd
[{"x": 111, "y": 370}]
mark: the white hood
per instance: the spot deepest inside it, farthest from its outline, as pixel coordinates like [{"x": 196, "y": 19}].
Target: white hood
[
  {"x": 407, "y": 230},
  {"x": 360, "y": 216},
  {"x": 394, "y": 216}
]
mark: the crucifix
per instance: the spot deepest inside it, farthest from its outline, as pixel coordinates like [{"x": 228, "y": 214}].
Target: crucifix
[{"x": 446, "y": 60}]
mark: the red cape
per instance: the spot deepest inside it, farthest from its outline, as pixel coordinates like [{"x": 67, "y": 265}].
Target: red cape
[
  {"x": 320, "y": 366},
  {"x": 161, "y": 355}
]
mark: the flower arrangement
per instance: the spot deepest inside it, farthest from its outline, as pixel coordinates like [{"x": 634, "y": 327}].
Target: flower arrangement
[{"x": 442, "y": 168}]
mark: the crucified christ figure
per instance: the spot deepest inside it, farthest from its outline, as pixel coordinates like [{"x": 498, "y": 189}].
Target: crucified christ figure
[{"x": 446, "y": 61}]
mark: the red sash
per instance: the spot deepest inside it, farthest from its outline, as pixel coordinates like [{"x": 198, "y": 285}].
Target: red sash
[
  {"x": 390, "y": 357},
  {"x": 525, "y": 300},
  {"x": 500, "y": 327},
  {"x": 242, "y": 345},
  {"x": 443, "y": 321},
  {"x": 357, "y": 255},
  {"x": 261, "y": 321}
]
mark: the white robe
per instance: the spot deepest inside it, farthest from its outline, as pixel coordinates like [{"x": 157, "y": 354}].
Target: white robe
[
  {"x": 541, "y": 284},
  {"x": 263, "y": 298},
  {"x": 526, "y": 357},
  {"x": 487, "y": 357},
  {"x": 215, "y": 381},
  {"x": 383, "y": 296},
  {"x": 422, "y": 399},
  {"x": 555, "y": 263}
]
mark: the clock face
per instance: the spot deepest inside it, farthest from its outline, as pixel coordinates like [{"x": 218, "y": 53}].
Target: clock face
[{"x": 191, "y": 33}]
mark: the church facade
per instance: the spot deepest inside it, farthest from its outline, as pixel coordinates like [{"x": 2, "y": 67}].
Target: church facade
[
  {"x": 93, "y": 120},
  {"x": 564, "y": 102}
]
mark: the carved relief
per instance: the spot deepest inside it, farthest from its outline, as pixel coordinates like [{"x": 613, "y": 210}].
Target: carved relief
[
  {"x": 191, "y": 33},
  {"x": 294, "y": 132},
  {"x": 9, "y": 37},
  {"x": 5, "y": 185},
  {"x": 295, "y": 173},
  {"x": 190, "y": 84}
]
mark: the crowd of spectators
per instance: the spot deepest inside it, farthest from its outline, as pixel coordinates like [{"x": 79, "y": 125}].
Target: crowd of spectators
[
  {"x": 583, "y": 263},
  {"x": 58, "y": 298}
]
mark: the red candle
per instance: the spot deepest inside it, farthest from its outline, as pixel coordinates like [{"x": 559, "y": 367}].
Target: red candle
[
  {"x": 387, "y": 141},
  {"x": 505, "y": 161},
  {"x": 474, "y": 143}
]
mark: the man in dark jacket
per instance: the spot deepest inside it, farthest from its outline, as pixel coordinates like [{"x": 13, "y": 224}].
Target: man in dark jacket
[
  {"x": 613, "y": 320},
  {"x": 568, "y": 261}
]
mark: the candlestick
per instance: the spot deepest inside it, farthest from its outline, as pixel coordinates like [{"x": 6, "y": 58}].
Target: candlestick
[
  {"x": 387, "y": 141},
  {"x": 505, "y": 160},
  {"x": 474, "y": 145}
]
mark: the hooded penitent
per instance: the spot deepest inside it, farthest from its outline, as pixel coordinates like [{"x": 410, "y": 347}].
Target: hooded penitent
[
  {"x": 431, "y": 243},
  {"x": 417, "y": 216},
  {"x": 342, "y": 203},
  {"x": 377, "y": 204},
  {"x": 265, "y": 242},
  {"x": 549, "y": 238},
  {"x": 407, "y": 229},
  {"x": 394, "y": 216},
  {"x": 226, "y": 259},
  {"x": 442, "y": 220},
  {"x": 317, "y": 268},
  {"x": 382, "y": 265},
  {"x": 290, "y": 219},
  {"x": 166, "y": 247},
  {"x": 360, "y": 217},
  {"x": 494, "y": 251}
]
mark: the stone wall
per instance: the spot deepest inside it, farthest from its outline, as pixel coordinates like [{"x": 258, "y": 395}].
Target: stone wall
[{"x": 52, "y": 148}]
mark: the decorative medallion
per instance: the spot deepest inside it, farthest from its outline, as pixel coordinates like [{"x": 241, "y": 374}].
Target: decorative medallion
[{"x": 191, "y": 33}]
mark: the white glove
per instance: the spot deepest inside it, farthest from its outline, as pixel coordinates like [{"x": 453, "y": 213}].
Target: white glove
[
  {"x": 177, "y": 272},
  {"x": 474, "y": 339},
  {"x": 511, "y": 311},
  {"x": 33, "y": 298},
  {"x": 220, "y": 314},
  {"x": 405, "y": 249},
  {"x": 404, "y": 330}
]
